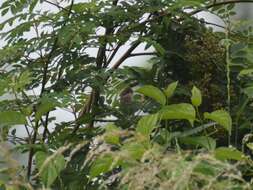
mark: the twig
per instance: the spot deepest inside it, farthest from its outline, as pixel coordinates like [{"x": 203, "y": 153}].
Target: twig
[
  {"x": 44, "y": 81},
  {"x": 142, "y": 54},
  {"x": 59, "y": 6}
]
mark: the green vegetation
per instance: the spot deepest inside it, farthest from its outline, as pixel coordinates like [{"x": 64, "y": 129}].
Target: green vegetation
[{"x": 183, "y": 121}]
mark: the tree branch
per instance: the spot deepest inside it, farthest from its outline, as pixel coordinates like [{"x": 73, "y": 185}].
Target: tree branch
[
  {"x": 58, "y": 6},
  {"x": 44, "y": 82},
  {"x": 126, "y": 55},
  {"x": 143, "y": 54}
]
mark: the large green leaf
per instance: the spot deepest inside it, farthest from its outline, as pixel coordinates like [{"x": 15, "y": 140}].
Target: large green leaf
[
  {"x": 206, "y": 142},
  {"x": 12, "y": 118},
  {"x": 221, "y": 117},
  {"x": 169, "y": 91},
  {"x": 196, "y": 97},
  {"x": 179, "y": 111},
  {"x": 154, "y": 93},
  {"x": 101, "y": 165},
  {"x": 146, "y": 124},
  {"x": 49, "y": 170},
  {"x": 225, "y": 153}
]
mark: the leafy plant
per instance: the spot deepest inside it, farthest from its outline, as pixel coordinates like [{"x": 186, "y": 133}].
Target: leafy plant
[{"x": 172, "y": 117}]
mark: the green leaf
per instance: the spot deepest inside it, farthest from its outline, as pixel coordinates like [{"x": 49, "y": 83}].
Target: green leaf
[
  {"x": 225, "y": 153},
  {"x": 169, "y": 91},
  {"x": 179, "y": 111},
  {"x": 206, "y": 142},
  {"x": 46, "y": 104},
  {"x": 112, "y": 135},
  {"x": 32, "y": 5},
  {"x": 221, "y": 117},
  {"x": 3, "y": 86},
  {"x": 134, "y": 150},
  {"x": 23, "y": 80},
  {"x": 248, "y": 91},
  {"x": 244, "y": 72},
  {"x": 146, "y": 124},
  {"x": 12, "y": 118},
  {"x": 153, "y": 92},
  {"x": 205, "y": 168},
  {"x": 101, "y": 165},
  {"x": 250, "y": 146},
  {"x": 49, "y": 170},
  {"x": 196, "y": 97}
]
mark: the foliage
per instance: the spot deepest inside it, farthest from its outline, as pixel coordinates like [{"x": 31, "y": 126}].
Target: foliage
[{"x": 184, "y": 118}]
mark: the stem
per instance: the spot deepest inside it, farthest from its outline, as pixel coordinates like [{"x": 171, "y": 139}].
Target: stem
[
  {"x": 59, "y": 6},
  {"x": 143, "y": 54},
  {"x": 43, "y": 85},
  {"x": 205, "y": 130},
  {"x": 227, "y": 47},
  {"x": 31, "y": 153},
  {"x": 100, "y": 63}
]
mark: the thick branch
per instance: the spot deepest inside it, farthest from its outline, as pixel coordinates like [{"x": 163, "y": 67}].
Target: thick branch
[{"x": 125, "y": 56}]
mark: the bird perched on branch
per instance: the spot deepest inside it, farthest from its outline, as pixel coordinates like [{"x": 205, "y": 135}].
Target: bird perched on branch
[{"x": 126, "y": 96}]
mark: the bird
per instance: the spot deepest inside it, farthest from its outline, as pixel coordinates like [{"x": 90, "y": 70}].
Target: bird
[{"x": 126, "y": 96}]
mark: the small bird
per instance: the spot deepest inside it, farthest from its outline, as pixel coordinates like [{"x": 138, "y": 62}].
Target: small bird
[{"x": 126, "y": 96}]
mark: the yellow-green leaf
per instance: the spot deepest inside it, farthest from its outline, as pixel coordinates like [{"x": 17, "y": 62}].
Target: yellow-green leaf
[
  {"x": 169, "y": 91},
  {"x": 154, "y": 93},
  {"x": 225, "y": 153},
  {"x": 196, "y": 97},
  {"x": 221, "y": 117},
  {"x": 206, "y": 142},
  {"x": 146, "y": 124},
  {"x": 101, "y": 165},
  {"x": 112, "y": 135},
  {"x": 179, "y": 111},
  {"x": 49, "y": 170},
  {"x": 12, "y": 118}
]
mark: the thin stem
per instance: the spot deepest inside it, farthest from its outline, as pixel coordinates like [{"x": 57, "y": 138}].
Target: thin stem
[
  {"x": 43, "y": 85},
  {"x": 227, "y": 48},
  {"x": 205, "y": 130},
  {"x": 59, "y": 6},
  {"x": 143, "y": 54}
]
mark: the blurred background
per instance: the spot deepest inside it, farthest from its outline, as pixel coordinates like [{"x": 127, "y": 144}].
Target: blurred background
[{"x": 244, "y": 12}]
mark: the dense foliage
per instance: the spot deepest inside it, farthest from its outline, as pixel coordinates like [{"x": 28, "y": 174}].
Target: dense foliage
[{"x": 183, "y": 120}]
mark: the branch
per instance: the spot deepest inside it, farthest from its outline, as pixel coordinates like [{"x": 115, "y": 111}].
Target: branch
[
  {"x": 126, "y": 55},
  {"x": 44, "y": 81},
  {"x": 58, "y": 6},
  {"x": 213, "y": 24},
  {"x": 113, "y": 54},
  {"x": 143, "y": 54}
]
